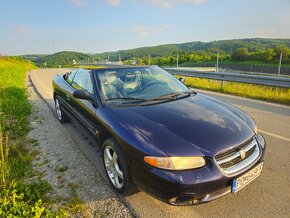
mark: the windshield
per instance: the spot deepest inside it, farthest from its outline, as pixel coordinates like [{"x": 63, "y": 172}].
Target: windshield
[{"x": 138, "y": 84}]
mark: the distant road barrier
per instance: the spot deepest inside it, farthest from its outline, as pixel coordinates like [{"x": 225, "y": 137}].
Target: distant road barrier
[{"x": 233, "y": 77}]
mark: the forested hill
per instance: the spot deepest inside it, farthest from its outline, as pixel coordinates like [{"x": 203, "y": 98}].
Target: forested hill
[
  {"x": 227, "y": 46},
  {"x": 64, "y": 58},
  {"x": 237, "y": 50}
]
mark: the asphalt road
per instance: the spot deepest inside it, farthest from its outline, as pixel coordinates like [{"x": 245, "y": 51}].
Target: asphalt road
[{"x": 266, "y": 196}]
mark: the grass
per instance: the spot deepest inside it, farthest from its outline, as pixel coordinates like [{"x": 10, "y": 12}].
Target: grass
[
  {"x": 267, "y": 93},
  {"x": 33, "y": 142},
  {"x": 75, "y": 204},
  {"x": 14, "y": 107},
  {"x": 22, "y": 190},
  {"x": 61, "y": 169},
  {"x": 18, "y": 197},
  {"x": 4, "y": 158}
]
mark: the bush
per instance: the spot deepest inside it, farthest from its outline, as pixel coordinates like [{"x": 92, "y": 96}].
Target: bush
[{"x": 13, "y": 203}]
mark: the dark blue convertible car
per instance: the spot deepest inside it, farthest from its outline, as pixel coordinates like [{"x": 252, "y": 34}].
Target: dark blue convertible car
[{"x": 155, "y": 133}]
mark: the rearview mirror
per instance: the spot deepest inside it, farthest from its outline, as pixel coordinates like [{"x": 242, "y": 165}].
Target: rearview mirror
[
  {"x": 181, "y": 79},
  {"x": 83, "y": 94}
]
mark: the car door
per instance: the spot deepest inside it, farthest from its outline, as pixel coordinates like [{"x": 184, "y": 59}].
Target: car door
[
  {"x": 66, "y": 94},
  {"x": 84, "y": 109}
]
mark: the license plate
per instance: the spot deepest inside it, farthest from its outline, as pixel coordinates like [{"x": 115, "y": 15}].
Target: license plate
[{"x": 246, "y": 178}]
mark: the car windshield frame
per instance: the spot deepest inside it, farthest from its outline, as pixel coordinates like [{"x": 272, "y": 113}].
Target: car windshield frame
[{"x": 138, "y": 99}]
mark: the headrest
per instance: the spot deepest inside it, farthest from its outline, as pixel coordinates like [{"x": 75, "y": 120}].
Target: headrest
[{"x": 109, "y": 77}]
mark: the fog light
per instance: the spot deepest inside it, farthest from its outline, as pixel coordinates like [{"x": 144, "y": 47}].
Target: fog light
[{"x": 183, "y": 200}]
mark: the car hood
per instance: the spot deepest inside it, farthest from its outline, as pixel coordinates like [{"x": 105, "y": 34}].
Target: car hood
[{"x": 192, "y": 126}]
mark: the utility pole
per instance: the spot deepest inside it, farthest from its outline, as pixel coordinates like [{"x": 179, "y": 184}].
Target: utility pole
[
  {"x": 134, "y": 59},
  {"x": 149, "y": 60},
  {"x": 177, "y": 56},
  {"x": 217, "y": 62},
  {"x": 280, "y": 62},
  {"x": 120, "y": 58}
]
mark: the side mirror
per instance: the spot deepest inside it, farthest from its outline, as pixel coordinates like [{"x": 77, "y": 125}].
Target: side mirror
[
  {"x": 83, "y": 94},
  {"x": 181, "y": 79}
]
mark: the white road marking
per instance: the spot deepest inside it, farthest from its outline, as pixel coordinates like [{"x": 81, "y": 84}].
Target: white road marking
[{"x": 274, "y": 135}]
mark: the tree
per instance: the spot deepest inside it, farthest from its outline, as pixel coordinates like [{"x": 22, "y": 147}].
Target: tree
[
  {"x": 282, "y": 48},
  {"x": 214, "y": 50},
  {"x": 268, "y": 55},
  {"x": 240, "y": 54}
]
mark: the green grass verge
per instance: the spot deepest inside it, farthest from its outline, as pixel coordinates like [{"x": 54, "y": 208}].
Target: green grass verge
[
  {"x": 267, "y": 93},
  {"x": 22, "y": 190},
  {"x": 14, "y": 106}
]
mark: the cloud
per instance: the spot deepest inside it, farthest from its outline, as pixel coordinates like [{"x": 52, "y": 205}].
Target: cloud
[
  {"x": 78, "y": 3},
  {"x": 267, "y": 33},
  {"x": 162, "y": 3},
  {"x": 19, "y": 28},
  {"x": 114, "y": 2},
  {"x": 171, "y": 3},
  {"x": 141, "y": 30},
  {"x": 144, "y": 31}
]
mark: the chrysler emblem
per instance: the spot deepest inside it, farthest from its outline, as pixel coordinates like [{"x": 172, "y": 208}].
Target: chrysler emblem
[{"x": 242, "y": 154}]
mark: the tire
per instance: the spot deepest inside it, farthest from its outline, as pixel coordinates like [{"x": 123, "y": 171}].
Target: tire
[
  {"x": 116, "y": 167},
  {"x": 60, "y": 114}
]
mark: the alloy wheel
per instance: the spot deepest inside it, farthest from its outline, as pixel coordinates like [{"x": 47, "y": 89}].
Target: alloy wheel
[
  {"x": 57, "y": 108},
  {"x": 113, "y": 168}
]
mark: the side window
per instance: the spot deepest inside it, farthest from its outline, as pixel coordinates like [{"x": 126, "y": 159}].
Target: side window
[
  {"x": 71, "y": 76},
  {"x": 82, "y": 80}
]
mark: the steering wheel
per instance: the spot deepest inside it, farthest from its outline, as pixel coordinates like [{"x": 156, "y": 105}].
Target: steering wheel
[{"x": 151, "y": 83}]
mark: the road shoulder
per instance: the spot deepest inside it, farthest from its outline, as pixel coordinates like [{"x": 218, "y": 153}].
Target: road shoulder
[{"x": 69, "y": 172}]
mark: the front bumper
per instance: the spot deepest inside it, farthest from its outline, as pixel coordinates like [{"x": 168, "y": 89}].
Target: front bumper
[{"x": 191, "y": 186}]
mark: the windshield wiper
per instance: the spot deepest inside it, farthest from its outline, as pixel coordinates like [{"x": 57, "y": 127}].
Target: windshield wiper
[
  {"x": 128, "y": 98},
  {"x": 172, "y": 96}
]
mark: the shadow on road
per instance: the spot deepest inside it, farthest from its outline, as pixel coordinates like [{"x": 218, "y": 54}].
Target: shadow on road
[{"x": 262, "y": 197}]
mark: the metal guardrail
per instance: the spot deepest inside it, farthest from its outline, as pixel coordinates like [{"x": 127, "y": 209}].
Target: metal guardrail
[{"x": 233, "y": 77}]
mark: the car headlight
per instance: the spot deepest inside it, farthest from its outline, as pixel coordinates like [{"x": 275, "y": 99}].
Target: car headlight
[
  {"x": 175, "y": 163},
  {"x": 256, "y": 130}
]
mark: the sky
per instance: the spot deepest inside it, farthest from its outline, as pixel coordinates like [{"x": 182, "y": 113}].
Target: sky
[{"x": 94, "y": 26}]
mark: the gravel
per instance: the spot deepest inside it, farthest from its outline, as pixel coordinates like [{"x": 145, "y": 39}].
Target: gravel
[{"x": 66, "y": 168}]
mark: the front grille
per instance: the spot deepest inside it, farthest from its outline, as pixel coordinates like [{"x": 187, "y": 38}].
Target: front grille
[
  {"x": 231, "y": 151},
  {"x": 237, "y": 159},
  {"x": 231, "y": 161}
]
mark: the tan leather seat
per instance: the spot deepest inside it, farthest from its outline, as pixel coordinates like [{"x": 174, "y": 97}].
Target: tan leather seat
[
  {"x": 111, "y": 86},
  {"x": 132, "y": 82}
]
